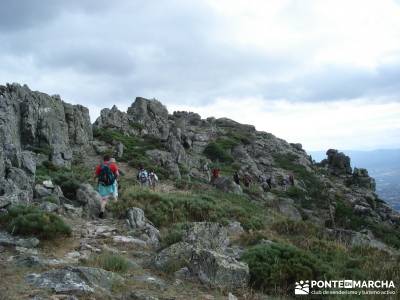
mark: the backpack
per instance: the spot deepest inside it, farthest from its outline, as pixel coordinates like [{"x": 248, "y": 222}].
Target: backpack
[
  {"x": 106, "y": 176},
  {"x": 143, "y": 176}
]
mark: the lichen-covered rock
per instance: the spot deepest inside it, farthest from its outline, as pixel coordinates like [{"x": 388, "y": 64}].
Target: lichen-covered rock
[
  {"x": 143, "y": 228},
  {"x": 75, "y": 280},
  {"x": 151, "y": 115},
  {"x": 361, "y": 178},
  {"x": 90, "y": 198},
  {"x": 227, "y": 185},
  {"x": 48, "y": 206},
  {"x": 34, "y": 120},
  {"x": 218, "y": 270},
  {"x": 206, "y": 235},
  {"x": 287, "y": 208},
  {"x": 11, "y": 241},
  {"x": 234, "y": 229},
  {"x": 165, "y": 160},
  {"x": 174, "y": 257},
  {"x": 113, "y": 118},
  {"x": 337, "y": 162}
]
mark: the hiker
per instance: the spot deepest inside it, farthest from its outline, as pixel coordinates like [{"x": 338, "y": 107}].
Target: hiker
[
  {"x": 106, "y": 174},
  {"x": 291, "y": 179},
  {"x": 206, "y": 171},
  {"x": 143, "y": 176},
  {"x": 285, "y": 183},
  {"x": 264, "y": 183},
  {"x": 247, "y": 180},
  {"x": 153, "y": 178},
  {"x": 269, "y": 181},
  {"x": 215, "y": 174},
  {"x": 113, "y": 161},
  {"x": 236, "y": 178}
]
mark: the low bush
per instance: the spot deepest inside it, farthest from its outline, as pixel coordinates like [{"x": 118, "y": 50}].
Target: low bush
[
  {"x": 315, "y": 193},
  {"x": 68, "y": 179},
  {"x": 276, "y": 267},
  {"x": 173, "y": 235},
  {"x": 297, "y": 228},
  {"x": 345, "y": 217},
  {"x": 216, "y": 152},
  {"x": 110, "y": 262},
  {"x": 388, "y": 234},
  {"x": 164, "y": 209},
  {"x": 28, "y": 220}
]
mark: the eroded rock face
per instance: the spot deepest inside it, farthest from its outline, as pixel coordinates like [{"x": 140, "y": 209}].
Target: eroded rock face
[
  {"x": 227, "y": 185},
  {"x": 338, "y": 163},
  {"x": 115, "y": 119},
  {"x": 206, "y": 235},
  {"x": 143, "y": 228},
  {"x": 218, "y": 270},
  {"x": 361, "y": 178},
  {"x": 90, "y": 198},
  {"x": 35, "y": 122},
  {"x": 203, "y": 254},
  {"x": 75, "y": 280},
  {"x": 152, "y": 115},
  {"x": 8, "y": 240}
]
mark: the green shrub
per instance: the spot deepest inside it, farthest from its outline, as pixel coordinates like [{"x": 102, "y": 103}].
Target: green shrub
[
  {"x": 46, "y": 150},
  {"x": 164, "y": 209},
  {"x": 388, "y": 234},
  {"x": 173, "y": 235},
  {"x": 137, "y": 126},
  {"x": 134, "y": 147},
  {"x": 275, "y": 267},
  {"x": 315, "y": 193},
  {"x": 110, "y": 262},
  {"x": 28, "y": 220},
  {"x": 297, "y": 228},
  {"x": 183, "y": 184},
  {"x": 296, "y": 193},
  {"x": 68, "y": 179},
  {"x": 51, "y": 199},
  {"x": 345, "y": 217},
  {"x": 215, "y": 152}
]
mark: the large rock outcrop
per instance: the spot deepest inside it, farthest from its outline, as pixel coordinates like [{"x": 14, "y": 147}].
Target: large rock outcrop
[
  {"x": 202, "y": 255},
  {"x": 35, "y": 127},
  {"x": 337, "y": 162},
  {"x": 35, "y": 121}
]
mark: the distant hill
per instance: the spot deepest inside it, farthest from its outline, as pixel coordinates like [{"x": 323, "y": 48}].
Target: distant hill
[{"x": 382, "y": 164}]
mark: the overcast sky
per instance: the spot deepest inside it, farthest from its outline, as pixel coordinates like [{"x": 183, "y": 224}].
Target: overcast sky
[{"x": 323, "y": 73}]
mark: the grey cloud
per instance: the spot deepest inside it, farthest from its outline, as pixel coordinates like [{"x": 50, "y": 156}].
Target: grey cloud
[
  {"x": 112, "y": 51},
  {"x": 25, "y": 14}
]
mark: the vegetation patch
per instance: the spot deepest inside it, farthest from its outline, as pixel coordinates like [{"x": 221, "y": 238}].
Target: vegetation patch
[
  {"x": 297, "y": 228},
  {"x": 68, "y": 179},
  {"x": 216, "y": 152},
  {"x": 164, "y": 209},
  {"x": 173, "y": 235},
  {"x": 134, "y": 148},
  {"x": 28, "y": 220},
  {"x": 345, "y": 217},
  {"x": 315, "y": 194},
  {"x": 110, "y": 262},
  {"x": 276, "y": 267}
]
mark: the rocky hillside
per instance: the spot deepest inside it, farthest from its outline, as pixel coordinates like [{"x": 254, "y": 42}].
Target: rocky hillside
[{"x": 188, "y": 238}]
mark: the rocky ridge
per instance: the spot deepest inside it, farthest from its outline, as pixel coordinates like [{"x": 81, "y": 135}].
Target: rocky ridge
[{"x": 38, "y": 131}]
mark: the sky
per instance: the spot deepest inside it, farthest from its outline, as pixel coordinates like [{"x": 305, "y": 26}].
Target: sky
[{"x": 322, "y": 73}]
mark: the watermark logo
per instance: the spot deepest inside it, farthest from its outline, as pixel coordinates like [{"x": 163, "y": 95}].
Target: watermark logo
[
  {"x": 344, "y": 287},
  {"x": 302, "y": 287}
]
